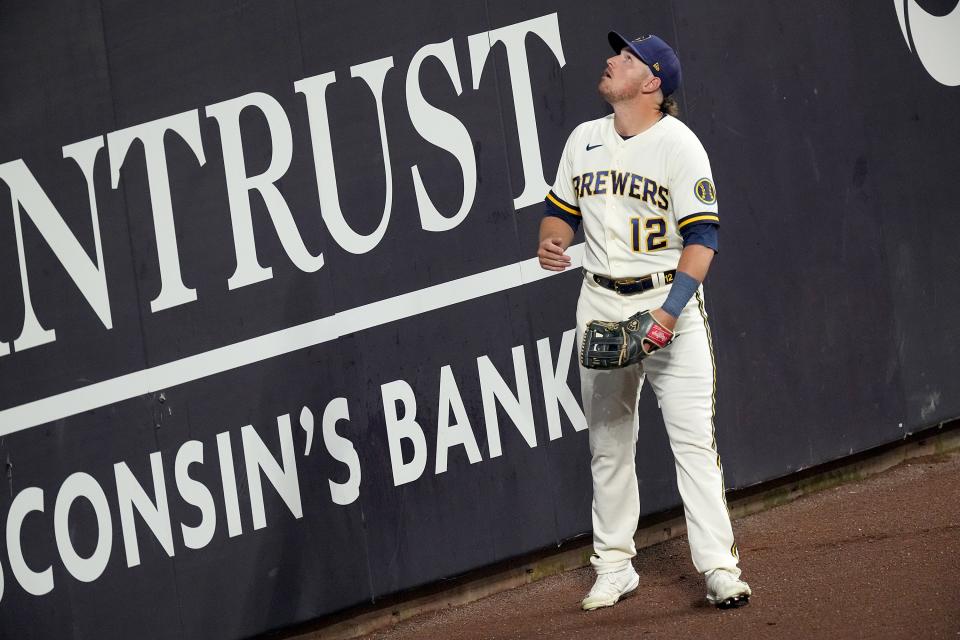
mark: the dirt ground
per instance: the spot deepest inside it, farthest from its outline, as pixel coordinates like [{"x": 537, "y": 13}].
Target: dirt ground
[{"x": 879, "y": 558}]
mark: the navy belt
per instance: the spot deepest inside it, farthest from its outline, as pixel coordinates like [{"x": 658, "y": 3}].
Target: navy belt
[{"x": 630, "y": 286}]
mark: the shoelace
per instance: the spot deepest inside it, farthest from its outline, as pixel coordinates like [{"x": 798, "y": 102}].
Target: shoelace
[
  {"x": 606, "y": 582},
  {"x": 723, "y": 576},
  {"x": 725, "y": 581}
]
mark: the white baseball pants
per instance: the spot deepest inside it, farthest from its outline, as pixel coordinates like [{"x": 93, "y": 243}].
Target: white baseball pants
[{"x": 682, "y": 376}]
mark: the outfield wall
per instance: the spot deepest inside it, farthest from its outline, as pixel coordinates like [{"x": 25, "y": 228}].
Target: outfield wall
[{"x": 273, "y": 342}]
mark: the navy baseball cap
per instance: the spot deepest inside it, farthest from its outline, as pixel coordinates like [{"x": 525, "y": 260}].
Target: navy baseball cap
[{"x": 656, "y": 54}]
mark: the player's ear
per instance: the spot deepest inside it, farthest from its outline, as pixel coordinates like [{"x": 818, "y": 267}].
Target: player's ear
[{"x": 652, "y": 84}]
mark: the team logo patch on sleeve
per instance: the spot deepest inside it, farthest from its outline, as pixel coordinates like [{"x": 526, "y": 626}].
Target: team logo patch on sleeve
[{"x": 705, "y": 191}]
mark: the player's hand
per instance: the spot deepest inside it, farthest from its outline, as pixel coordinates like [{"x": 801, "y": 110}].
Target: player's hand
[
  {"x": 664, "y": 318},
  {"x": 551, "y": 255}
]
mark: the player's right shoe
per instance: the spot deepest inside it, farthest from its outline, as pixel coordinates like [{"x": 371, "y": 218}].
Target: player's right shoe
[
  {"x": 610, "y": 587},
  {"x": 726, "y": 590}
]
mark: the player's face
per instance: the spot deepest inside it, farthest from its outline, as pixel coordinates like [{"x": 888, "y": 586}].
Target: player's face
[{"x": 624, "y": 77}]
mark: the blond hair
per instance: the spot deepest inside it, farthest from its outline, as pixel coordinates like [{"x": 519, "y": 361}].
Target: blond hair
[{"x": 670, "y": 107}]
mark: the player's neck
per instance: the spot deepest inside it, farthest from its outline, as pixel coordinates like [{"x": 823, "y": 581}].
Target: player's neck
[{"x": 631, "y": 119}]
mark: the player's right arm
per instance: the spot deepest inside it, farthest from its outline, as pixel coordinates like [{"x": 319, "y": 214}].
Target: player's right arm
[
  {"x": 555, "y": 236},
  {"x": 561, "y": 215}
]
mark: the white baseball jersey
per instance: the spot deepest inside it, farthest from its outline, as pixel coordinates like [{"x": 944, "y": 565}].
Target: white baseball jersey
[{"x": 634, "y": 195}]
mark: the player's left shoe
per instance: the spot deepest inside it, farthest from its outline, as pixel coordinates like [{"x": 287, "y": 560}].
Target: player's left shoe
[{"x": 726, "y": 590}]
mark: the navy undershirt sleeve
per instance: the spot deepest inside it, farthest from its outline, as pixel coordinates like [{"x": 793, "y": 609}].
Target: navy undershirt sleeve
[
  {"x": 705, "y": 233},
  {"x": 551, "y": 209}
]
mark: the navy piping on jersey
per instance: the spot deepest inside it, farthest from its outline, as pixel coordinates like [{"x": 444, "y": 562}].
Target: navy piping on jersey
[{"x": 699, "y": 216}]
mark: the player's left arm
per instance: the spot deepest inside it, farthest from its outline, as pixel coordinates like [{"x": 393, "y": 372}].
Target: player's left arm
[
  {"x": 695, "y": 260},
  {"x": 694, "y": 203}
]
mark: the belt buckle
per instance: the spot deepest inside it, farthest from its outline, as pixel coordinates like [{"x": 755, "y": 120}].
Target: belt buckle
[{"x": 625, "y": 282}]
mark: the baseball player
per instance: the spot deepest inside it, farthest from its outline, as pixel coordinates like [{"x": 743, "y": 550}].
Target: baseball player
[{"x": 640, "y": 183}]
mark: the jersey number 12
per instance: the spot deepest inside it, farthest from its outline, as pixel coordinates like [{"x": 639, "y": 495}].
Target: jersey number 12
[{"x": 656, "y": 229}]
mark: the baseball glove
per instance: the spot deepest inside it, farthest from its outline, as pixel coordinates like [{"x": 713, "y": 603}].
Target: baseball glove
[{"x": 612, "y": 345}]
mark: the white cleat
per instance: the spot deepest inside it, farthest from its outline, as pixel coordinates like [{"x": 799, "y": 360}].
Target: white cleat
[
  {"x": 726, "y": 590},
  {"x": 610, "y": 587}
]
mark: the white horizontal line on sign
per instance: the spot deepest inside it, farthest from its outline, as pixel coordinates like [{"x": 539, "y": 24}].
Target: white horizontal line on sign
[{"x": 277, "y": 343}]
